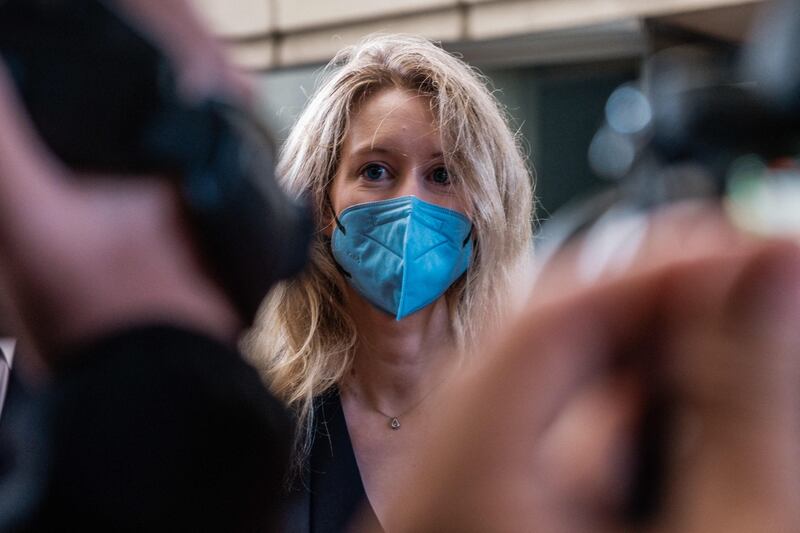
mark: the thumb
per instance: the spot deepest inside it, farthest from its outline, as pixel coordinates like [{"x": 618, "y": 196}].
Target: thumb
[
  {"x": 764, "y": 308},
  {"x": 738, "y": 440}
]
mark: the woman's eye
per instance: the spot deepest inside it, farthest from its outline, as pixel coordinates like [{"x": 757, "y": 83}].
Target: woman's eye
[
  {"x": 440, "y": 176},
  {"x": 374, "y": 172}
]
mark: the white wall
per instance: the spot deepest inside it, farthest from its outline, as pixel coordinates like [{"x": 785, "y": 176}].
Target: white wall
[{"x": 267, "y": 34}]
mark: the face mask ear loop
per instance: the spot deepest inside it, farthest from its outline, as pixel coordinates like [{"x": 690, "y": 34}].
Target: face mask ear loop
[
  {"x": 339, "y": 225},
  {"x": 466, "y": 239},
  {"x": 335, "y": 218}
]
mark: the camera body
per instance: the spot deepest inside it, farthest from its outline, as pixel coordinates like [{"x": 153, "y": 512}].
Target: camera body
[{"x": 103, "y": 98}]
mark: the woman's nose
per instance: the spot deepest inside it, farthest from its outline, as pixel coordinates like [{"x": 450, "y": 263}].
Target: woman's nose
[{"x": 410, "y": 185}]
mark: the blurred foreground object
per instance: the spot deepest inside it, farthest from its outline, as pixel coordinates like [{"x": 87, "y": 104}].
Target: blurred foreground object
[
  {"x": 551, "y": 430},
  {"x": 698, "y": 127},
  {"x": 710, "y": 132},
  {"x": 139, "y": 229},
  {"x": 104, "y": 99}
]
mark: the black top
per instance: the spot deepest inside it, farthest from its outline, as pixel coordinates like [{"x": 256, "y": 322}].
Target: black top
[
  {"x": 331, "y": 491},
  {"x": 151, "y": 429}
]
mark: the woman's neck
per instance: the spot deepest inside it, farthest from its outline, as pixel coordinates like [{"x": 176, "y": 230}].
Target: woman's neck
[{"x": 397, "y": 362}]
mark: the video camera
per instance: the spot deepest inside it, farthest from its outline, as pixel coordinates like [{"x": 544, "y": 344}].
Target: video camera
[
  {"x": 104, "y": 98},
  {"x": 695, "y": 127}
]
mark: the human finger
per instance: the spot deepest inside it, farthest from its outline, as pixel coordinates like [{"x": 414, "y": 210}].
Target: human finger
[
  {"x": 499, "y": 412},
  {"x": 635, "y": 242},
  {"x": 34, "y": 185},
  {"x": 26, "y": 165},
  {"x": 203, "y": 66},
  {"x": 735, "y": 446}
]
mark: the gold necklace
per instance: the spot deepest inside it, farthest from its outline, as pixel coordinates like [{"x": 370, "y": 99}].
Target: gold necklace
[{"x": 394, "y": 420}]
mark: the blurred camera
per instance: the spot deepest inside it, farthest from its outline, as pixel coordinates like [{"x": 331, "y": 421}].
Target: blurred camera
[{"x": 104, "y": 98}]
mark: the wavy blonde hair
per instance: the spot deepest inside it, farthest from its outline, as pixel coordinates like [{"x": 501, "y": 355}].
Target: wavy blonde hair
[{"x": 303, "y": 340}]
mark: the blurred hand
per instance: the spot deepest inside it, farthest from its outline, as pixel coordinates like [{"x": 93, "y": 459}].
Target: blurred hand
[
  {"x": 80, "y": 256},
  {"x": 543, "y": 433},
  {"x": 203, "y": 67}
]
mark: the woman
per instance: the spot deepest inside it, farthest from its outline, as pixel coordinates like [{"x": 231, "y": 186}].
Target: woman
[{"x": 424, "y": 203}]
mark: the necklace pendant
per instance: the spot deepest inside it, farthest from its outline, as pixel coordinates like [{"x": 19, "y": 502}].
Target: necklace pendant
[{"x": 394, "y": 423}]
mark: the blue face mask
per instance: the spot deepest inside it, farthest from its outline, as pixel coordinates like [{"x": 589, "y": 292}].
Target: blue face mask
[{"x": 402, "y": 254}]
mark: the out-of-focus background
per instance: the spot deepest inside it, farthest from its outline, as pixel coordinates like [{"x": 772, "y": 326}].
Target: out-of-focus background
[{"x": 553, "y": 63}]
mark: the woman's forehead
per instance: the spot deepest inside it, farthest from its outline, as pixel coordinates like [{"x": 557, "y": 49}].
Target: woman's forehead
[{"x": 394, "y": 117}]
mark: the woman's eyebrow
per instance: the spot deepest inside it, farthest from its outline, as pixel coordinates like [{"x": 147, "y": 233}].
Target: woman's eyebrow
[{"x": 367, "y": 149}]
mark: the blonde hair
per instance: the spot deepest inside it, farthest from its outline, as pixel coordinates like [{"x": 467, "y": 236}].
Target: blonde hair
[{"x": 304, "y": 340}]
